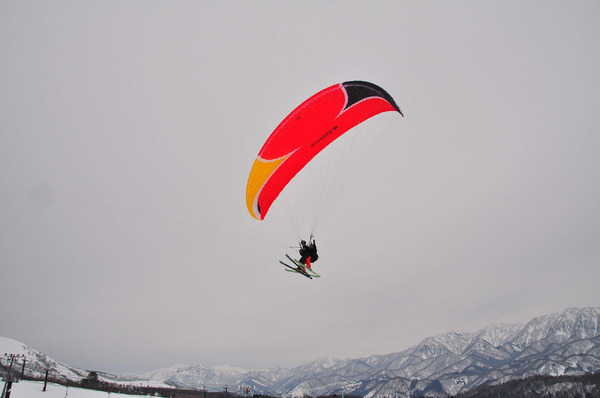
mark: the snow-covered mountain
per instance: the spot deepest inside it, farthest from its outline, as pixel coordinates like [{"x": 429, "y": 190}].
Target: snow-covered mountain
[
  {"x": 565, "y": 343},
  {"x": 37, "y": 364}
]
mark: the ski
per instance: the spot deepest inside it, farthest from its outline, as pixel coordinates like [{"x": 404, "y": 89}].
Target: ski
[
  {"x": 300, "y": 271},
  {"x": 295, "y": 261},
  {"x": 308, "y": 270}
]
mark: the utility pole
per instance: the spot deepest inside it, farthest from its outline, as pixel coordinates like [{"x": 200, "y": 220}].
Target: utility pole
[
  {"x": 246, "y": 390},
  {"x": 23, "y": 369},
  {"x": 8, "y": 382},
  {"x": 46, "y": 379}
]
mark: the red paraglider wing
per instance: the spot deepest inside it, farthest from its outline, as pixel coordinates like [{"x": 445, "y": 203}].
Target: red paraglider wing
[{"x": 313, "y": 125}]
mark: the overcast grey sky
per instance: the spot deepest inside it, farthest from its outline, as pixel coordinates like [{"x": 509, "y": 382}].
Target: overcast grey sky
[{"x": 128, "y": 129}]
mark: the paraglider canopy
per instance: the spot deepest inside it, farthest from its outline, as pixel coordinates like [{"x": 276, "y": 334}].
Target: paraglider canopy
[{"x": 305, "y": 132}]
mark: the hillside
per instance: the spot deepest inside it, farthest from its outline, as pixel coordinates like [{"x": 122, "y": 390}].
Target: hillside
[{"x": 587, "y": 386}]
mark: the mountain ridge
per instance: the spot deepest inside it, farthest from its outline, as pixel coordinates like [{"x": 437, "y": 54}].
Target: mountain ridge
[
  {"x": 566, "y": 342},
  {"x": 563, "y": 343}
]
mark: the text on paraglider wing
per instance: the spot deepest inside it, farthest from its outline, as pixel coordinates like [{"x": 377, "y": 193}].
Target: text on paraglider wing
[{"x": 324, "y": 136}]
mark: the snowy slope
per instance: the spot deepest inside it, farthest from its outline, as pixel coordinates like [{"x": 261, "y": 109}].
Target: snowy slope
[
  {"x": 37, "y": 363},
  {"x": 30, "y": 389}
]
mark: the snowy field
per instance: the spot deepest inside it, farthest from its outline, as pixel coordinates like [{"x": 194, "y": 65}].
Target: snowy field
[{"x": 33, "y": 389}]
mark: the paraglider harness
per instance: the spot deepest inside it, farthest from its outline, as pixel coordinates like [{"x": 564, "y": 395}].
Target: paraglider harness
[{"x": 308, "y": 252}]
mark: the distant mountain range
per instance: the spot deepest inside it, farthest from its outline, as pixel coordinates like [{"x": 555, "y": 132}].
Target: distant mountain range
[{"x": 565, "y": 343}]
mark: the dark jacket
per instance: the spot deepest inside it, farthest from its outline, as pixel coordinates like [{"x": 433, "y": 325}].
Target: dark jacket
[{"x": 307, "y": 251}]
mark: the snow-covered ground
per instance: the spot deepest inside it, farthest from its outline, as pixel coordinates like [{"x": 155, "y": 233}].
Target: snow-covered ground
[{"x": 33, "y": 389}]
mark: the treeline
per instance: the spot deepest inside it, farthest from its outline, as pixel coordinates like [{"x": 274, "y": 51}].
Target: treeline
[
  {"x": 586, "y": 386},
  {"x": 93, "y": 382}
]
